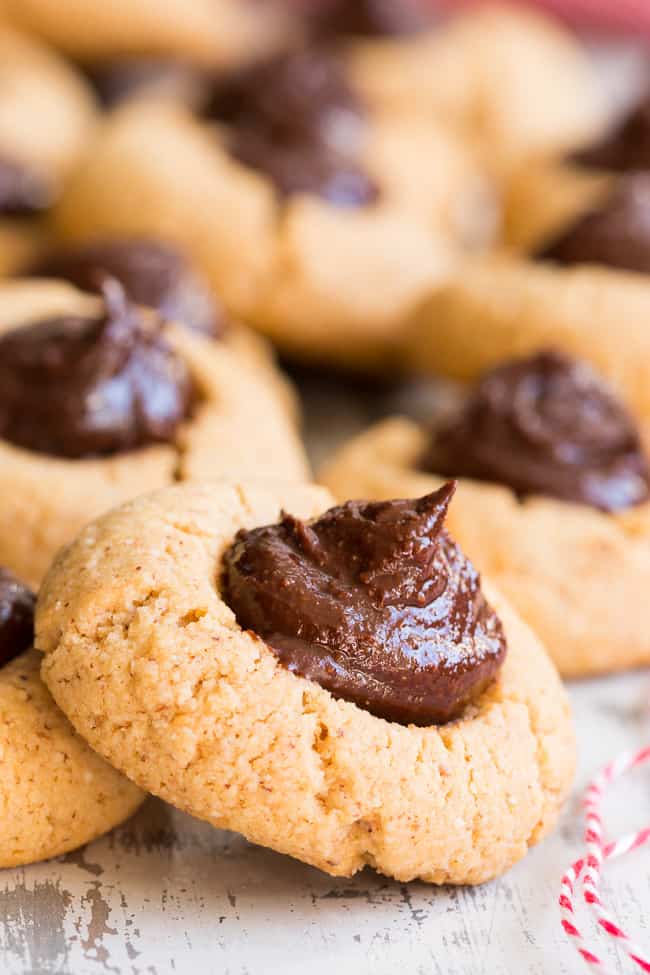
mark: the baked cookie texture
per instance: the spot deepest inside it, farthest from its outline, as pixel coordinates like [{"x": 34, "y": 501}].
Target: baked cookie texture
[
  {"x": 151, "y": 667},
  {"x": 56, "y": 792},
  {"x": 485, "y": 71},
  {"x": 244, "y": 426},
  {"x": 321, "y": 281},
  {"x": 544, "y": 196},
  {"x": 46, "y": 108},
  {"x": 501, "y": 308},
  {"x": 573, "y": 573},
  {"x": 206, "y": 31}
]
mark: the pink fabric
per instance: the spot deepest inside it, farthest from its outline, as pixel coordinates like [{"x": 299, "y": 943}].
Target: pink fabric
[{"x": 625, "y": 16}]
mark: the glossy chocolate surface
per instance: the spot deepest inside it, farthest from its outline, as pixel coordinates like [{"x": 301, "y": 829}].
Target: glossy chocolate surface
[
  {"x": 85, "y": 387},
  {"x": 17, "y": 604},
  {"x": 153, "y": 274},
  {"x": 373, "y": 601},
  {"x": 616, "y": 234},
  {"x": 546, "y": 425}
]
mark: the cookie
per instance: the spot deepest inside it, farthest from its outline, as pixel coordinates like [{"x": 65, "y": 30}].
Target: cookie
[
  {"x": 205, "y": 715},
  {"x": 504, "y": 307},
  {"x": 545, "y": 196},
  {"x": 46, "y": 114},
  {"x": 56, "y": 793},
  {"x": 325, "y": 279},
  {"x": 57, "y": 475},
  {"x": 210, "y": 32},
  {"x": 571, "y": 571},
  {"x": 484, "y": 71}
]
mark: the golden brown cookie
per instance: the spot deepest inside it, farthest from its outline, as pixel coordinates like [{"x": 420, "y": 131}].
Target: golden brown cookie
[
  {"x": 515, "y": 78},
  {"x": 496, "y": 309},
  {"x": 207, "y": 31},
  {"x": 204, "y": 715},
  {"x": 573, "y": 573},
  {"x": 244, "y": 423},
  {"x": 56, "y": 792},
  {"x": 543, "y": 196},
  {"x": 322, "y": 281}
]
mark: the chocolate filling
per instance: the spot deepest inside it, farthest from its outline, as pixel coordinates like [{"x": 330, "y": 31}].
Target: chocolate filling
[
  {"x": 370, "y": 18},
  {"x": 16, "y": 617},
  {"x": 295, "y": 118},
  {"x": 84, "y": 387},
  {"x": 616, "y": 234},
  {"x": 151, "y": 273},
  {"x": 374, "y": 602},
  {"x": 546, "y": 425},
  {"x": 626, "y": 146},
  {"x": 23, "y": 190}
]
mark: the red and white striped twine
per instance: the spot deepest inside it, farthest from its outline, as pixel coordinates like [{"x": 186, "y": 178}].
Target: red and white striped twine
[{"x": 585, "y": 873}]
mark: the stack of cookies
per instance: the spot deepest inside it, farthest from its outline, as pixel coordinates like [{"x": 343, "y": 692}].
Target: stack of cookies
[{"x": 363, "y": 672}]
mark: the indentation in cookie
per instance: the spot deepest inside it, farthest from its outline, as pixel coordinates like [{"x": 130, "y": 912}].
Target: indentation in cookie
[
  {"x": 152, "y": 273},
  {"x": 616, "y": 234},
  {"x": 375, "y": 602},
  {"x": 547, "y": 425},
  {"x": 78, "y": 387},
  {"x": 295, "y": 118},
  {"x": 17, "y": 604}
]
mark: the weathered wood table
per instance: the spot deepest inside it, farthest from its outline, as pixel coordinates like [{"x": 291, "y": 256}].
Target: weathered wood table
[{"x": 166, "y": 894}]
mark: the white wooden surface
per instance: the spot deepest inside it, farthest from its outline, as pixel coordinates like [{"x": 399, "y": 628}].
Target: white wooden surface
[{"x": 166, "y": 894}]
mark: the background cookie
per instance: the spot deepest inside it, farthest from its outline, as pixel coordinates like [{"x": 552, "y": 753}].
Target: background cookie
[
  {"x": 573, "y": 573},
  {"x": 204, "y": 714},
  {"x": 515, "y": 78},
  {"x": 322, "y": 281},
  {"x": 208, "y": 31},
  {"x": 497, "y": 309},
  {"x": 245, "y": 421}
]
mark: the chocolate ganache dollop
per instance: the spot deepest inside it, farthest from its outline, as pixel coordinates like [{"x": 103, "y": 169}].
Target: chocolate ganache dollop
[
  {"x": 546, "y": 425},
  {"x": 23, "y": 190},
  {"x": 616, "y": 234},
  {"x": 295, "y": 118},
  {"x": 83, "y": 387},
  {"x": 16, "y": 617},
  {"x": 152, "y": 273},
  {"x": 373, "y": 601},
  {"x": 626, "y": 146},
  {"x": 370, "y": 18}
]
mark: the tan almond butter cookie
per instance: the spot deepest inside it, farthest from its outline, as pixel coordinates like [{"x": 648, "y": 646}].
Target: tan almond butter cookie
[
  {"x": 323, "y": 281},
  {"x": 544, "y": 196},
  {"x": 213, "y": 32},
  {"x": 149, "y": 664},
  {"x": 516, "y": 79},
  {"x": 501, "y": 308},
  {"x": 573, "y": 573},
  {"x": 56, "y": 792},
  {"x": 244, "y": 424}
]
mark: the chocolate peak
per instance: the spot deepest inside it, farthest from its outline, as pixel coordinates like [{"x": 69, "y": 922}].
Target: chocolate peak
[
  {"x": 546, "y": 425},
  {"x": 374, "y": 602},
  {"x": 16, "y": 617},
  {"x": 152, "y": 274},
  {"x": 23, "y": 190},
  {"x": 296, "y": 119},
  {"x": 626, "y": 146},
  {"x": 616, "y": 234},
  {"x": 84, "y": 387}
]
